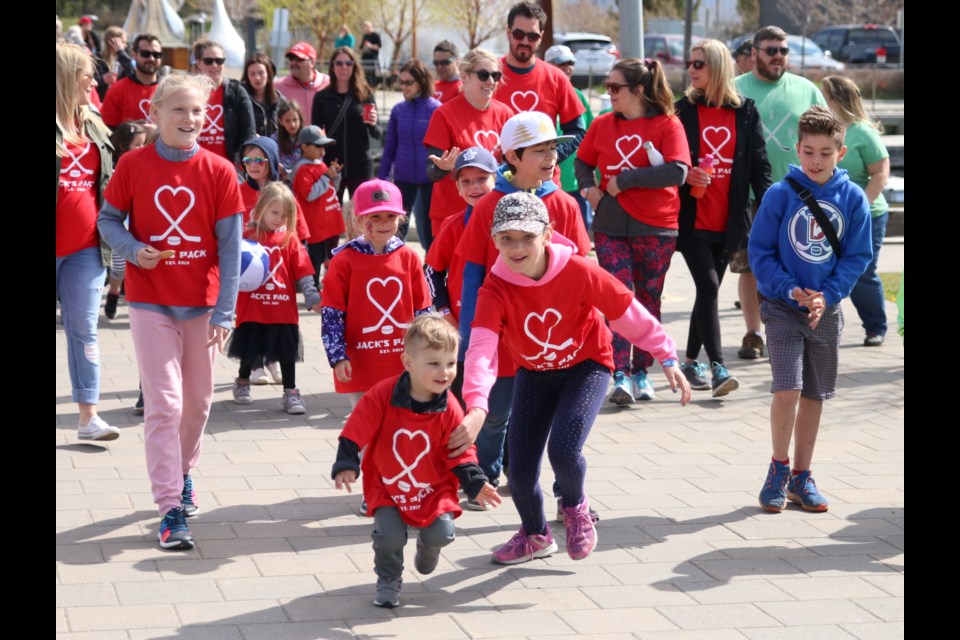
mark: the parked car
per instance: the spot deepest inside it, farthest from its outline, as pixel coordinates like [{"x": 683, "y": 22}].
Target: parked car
[
  {"x": 666, "y": 47},
  {"x": 595, "y": 53},
  {"x": 802, "y": 51},
  {"x": 859, "y": 42}
]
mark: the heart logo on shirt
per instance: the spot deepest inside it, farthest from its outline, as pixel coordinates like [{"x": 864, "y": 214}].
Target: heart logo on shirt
[
  {"x": 438, "y": 95},
  {"x": 524, "y": 100},
  {"x": 414, "y": 444},
  {"x": 213, "y": 117},
  {"x": 626, "y": 146},
  {"x": 379, "y": 290},
  {"x": 484, "y": 138},
  {"x": 717, "y": 138},
  {"x": 145, "y": 109},
  {"x": 277, "y": 262},
  {"x": 539, "y": 328},
  {"x": 174, "y": 204}
]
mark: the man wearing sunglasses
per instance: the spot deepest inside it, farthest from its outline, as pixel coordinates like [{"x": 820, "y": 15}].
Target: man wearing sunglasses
[
  {"x": 304, "y": 80},
  {"x": 129, "y": 98},
  {"x": 446, "y": 64},
  {"x": 532, "y": 85},
  {"x": 781, "y": 99}
]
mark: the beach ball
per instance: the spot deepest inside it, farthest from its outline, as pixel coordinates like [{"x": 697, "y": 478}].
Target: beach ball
[{"x": 254, "y": 265}]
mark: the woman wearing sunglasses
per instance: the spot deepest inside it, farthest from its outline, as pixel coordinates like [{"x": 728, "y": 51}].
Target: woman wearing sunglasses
[
  {"x": 229, "y": 119},
  {"x": 347, "y": 112},
  {"x": 403, "y": 149},
  {"x": 472, "y": 119},
  {"x": 636, "y": 203},
  {"x": 715, "y": 206}
]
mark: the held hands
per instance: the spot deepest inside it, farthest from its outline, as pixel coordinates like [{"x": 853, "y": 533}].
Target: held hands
[
  {"x": 343, "y": 370},
  {"x": 488, "y": 496},
  {"x": 218, "y": 336},
  {"x": 466, "y": 432},
  {"x": 813, "y": 301},
  {"x": 697, "y": 177},
  {"x": 316, "y": 308},
  {"x": 447, "y": 161},
  {"x": 345, "y": 478},
  {"x": 677, "y": 380}
]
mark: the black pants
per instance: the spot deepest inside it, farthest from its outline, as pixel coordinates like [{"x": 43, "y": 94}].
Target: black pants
[{"x": 707, "y": 265}]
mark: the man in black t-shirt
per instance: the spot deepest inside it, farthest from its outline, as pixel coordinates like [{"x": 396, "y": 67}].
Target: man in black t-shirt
[{"x": 370, "y": 53}]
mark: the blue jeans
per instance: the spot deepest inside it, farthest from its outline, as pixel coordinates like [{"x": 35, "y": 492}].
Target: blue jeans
[
  {"x": 867, "y": 294},
  {"x": 80, "y": 278},
  {"x": 493, "y": 433},
  {"x": 421, "y": 212}
]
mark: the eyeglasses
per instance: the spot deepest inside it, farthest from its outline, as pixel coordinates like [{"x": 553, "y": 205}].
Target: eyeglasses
[
  {"x": 613, "y": 88},
  {"x": 150, "y": 54},
  {"x": 443, "y": 63},
  {"x": 483, "y": 75},
  {"x": 696, "y": 64},
  {"x": 772, "y": 51},
  {"x": 254, "y": 160},
  {"x": 343, "y": 63},
  {"x": 213, "y": 61},
  {"x": 407, "y": 83},
  {"x": 520, "y": 34}
]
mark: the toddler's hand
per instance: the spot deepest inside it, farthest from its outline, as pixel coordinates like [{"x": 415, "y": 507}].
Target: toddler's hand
[
  {"x": 345, "y": 478},
  {"x": 343, "y": 370},
  {"x": 677, "y": 380},
  {"x": 489, "y": 496}
]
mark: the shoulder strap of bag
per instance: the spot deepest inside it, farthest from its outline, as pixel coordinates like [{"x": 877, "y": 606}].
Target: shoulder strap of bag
[
  {"x": 343, "y": 112},
  {"x": 818, "y": 213}
]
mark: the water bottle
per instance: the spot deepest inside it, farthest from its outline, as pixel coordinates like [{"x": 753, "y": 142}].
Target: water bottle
[
  {"x": 707, "y": 165},
  {"x": 654, "y": 156}
]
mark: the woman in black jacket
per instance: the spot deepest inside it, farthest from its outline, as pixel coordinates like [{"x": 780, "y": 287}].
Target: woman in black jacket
[
  {"x": 723, "y": 124},
  {"x": 258, "y": 74}
]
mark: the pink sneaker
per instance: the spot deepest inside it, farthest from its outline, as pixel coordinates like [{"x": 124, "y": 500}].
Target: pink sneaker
[
  {"x": 581, "y": 535},
  {"x": 523, "y": 548}
]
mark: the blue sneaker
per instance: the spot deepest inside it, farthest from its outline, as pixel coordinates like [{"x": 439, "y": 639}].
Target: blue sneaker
[
  {"x": 622, "y": 389},
  {"x": 773, "y": 495},
  {"x": 802, "y": 490},
  {"x": 696, "y": 375},
  {"x": 174, "y": 533},
  {"x": 188, "y": 499},
  {"x": 722, "y": 383},
  {"x": 642, "y": 387}
]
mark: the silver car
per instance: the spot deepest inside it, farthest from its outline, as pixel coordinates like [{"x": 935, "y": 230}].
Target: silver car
[{"x": 595, "y": 53}]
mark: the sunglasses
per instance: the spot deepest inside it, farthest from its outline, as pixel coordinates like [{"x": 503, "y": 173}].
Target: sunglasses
[
  {"x": 483, "y": 75},
  {"x": 696, "y": 64},
  {"x": 213, "y": 61},
  {"x": 772, "y": 51},
  {"x": 443, "y": 63},
  {"x": 406, "y": 83},
  {"x": 613, "y": 88},
  {"x": 531, "y": 36},
  {"x": 150, "y": 54},
  {"x": 343, "y": 63},
  {"x": 254, "y": 160}
]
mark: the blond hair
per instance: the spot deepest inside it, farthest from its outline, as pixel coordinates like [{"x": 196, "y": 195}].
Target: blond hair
[
  {"x": 431, "y": 331},
  {"x": 720, "y": 88},
  {"x": 473, "y": 59},
  {"x": 178, "y": 82},
  {"x": 843, "y": 95},
  {"x": 73, "y": 117},
  {"x": 271, "y": 193}
]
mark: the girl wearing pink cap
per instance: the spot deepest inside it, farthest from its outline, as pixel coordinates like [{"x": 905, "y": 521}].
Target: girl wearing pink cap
[{"x": 373, "y": 289}]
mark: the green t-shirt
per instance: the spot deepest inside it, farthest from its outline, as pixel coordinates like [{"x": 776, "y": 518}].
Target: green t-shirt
[
  {"x": 568, "y": 181},
  {"x": 864, "y": 147},
  {"x": 780, "y": 105}
]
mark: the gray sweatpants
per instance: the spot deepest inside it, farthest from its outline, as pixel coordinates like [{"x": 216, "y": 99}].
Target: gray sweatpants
[{"x": 390, "y": 535}]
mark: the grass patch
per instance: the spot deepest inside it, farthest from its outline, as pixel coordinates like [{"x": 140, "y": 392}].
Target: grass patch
[{"x": 891, "y": 285}]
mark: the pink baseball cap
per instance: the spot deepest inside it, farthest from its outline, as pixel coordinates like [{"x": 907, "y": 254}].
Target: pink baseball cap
[{"x": 374, "y": 196}]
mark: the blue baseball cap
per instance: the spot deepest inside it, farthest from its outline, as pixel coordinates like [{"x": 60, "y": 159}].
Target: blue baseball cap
[{"x": 475, "y": 157}]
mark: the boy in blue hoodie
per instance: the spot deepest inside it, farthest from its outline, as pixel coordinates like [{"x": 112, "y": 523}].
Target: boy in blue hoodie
[{"x": 801, "y": 281}]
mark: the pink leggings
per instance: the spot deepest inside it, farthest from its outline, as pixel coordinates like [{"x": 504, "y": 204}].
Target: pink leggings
[{"x": 176, "y": 372}]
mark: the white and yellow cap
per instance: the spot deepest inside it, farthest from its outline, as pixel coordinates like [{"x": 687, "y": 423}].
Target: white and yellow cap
[{"x": 527, "y": 129}]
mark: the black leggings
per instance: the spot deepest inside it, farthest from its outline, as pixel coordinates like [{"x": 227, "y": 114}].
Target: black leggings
[
  {"x": 287, "y": 369},
  {"x": 707, "y": 265}
]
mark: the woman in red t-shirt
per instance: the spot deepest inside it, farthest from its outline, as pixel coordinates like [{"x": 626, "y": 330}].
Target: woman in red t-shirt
[
  {"x": 83, "y": 167},
  {"x": 636, "y": 204},
  {"x": 723, "y": 124}
]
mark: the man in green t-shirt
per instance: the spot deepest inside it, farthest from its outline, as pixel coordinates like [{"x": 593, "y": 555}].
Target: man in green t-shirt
[{"x": 781, "y": 99}]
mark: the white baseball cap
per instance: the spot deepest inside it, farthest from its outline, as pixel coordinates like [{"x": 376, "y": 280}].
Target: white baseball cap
[
  {"x": 527, "y": 129},
  {"x": 558, "y": 54}
]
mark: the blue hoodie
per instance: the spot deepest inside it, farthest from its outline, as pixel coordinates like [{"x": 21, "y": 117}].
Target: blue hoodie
[
  {"x": 787, "y": 248},
  {"x": 474, "y": 274},
  {"x": 272, "y": 151}
]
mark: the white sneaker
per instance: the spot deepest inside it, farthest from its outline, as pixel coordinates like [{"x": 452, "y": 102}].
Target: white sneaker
[
  {"x": 97, "y": 429},
  {"x": 259, "y": 376},
  {"x": 274, "y": 369}
]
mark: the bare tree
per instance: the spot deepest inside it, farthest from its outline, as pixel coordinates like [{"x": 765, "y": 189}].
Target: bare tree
[
  {"x": 586, "y": 15},
  {"x": 398, "y": 19},
  {"x": 321, "y": 17},
  {"x": 476, "y": 21}
]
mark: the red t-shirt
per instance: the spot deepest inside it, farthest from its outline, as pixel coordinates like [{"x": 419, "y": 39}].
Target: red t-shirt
[
  {"x": 458, "y": 124},
  {"x": 718, "y": 137},
  {"x": 323, "y": 216},
  {"x": 127, "y": 100},
  {"x": 213, "y": 137},
  {"x": 250, "y": 197},
  {"x": 175, "y": 205},
  {"x": 443, "y": 256},
  {"x": 614, "y": 144},
  {"x": 557, "y": 324},
  {"x": 275, "y": 302},
  {"x": 445, "y": 91},
  {"x": 406, "y": 464},
  {"x": 379, "y": 294},
  {"x": 77, "y": 199}
]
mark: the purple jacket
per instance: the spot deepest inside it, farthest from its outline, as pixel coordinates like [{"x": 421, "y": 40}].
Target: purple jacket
[{"x": 403, "y": 149}]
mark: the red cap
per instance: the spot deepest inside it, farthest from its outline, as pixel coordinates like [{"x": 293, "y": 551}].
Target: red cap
[
  {"x": 303, "y": 50},
  {"x": 85, "y": 20},
  {"x": 377, "y": 195}
]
